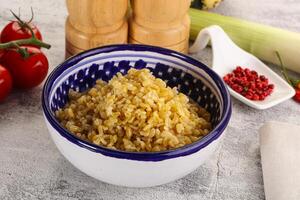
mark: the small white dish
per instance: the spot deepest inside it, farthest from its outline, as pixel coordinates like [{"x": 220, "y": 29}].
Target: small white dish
[{"x": 227, "y": 56}]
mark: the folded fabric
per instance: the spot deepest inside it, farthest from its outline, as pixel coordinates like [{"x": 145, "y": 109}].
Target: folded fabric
[{"x": 280, "y": 158}]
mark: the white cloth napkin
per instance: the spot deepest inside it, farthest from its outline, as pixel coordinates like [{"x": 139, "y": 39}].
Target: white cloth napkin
[{"x": 280, "y": 157}]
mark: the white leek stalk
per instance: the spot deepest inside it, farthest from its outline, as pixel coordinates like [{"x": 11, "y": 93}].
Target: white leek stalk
[{"x": 260, "y": 40}]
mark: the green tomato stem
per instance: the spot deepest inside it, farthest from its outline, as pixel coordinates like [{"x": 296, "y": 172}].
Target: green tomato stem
[
  {"x": 283, "y": 69},
  {"x": 295, "y": 83},
  {"x": 29, "y": 41}
]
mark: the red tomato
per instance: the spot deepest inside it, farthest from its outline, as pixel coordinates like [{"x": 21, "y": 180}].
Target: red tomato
[
  {"x": 1, "y": 51},
  {"x": 297, "y": 95},
  {"x": 1, "y": 54},
  {"x": 5, "y": 83},
  {"x": 26, "y": 72},
  {"x": 13, "y": 31}
]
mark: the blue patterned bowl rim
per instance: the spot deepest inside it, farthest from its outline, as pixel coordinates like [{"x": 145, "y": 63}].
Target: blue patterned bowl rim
[{"x": 138, "y": 156}]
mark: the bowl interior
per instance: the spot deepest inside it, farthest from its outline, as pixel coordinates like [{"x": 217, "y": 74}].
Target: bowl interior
[{"x": 84, "y": 74}]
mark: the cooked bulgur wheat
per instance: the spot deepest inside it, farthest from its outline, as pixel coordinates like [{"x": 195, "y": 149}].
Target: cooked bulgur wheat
[{"x": 135, "y": 112}]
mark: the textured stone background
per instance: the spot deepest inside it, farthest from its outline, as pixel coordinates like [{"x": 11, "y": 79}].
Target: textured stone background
[{"x": 32, "y": 168}]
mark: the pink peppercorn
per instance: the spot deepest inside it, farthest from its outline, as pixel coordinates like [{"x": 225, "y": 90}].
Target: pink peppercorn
[{"x": 249, "y": 84}]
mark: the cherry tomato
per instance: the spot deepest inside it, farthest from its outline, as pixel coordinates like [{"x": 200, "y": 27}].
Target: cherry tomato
[
  {"x": 1, "y": 51},
  {"x": 26, "y": 72},
  {"x": 1, "y": 54},
  {"x": 297, "y": 95},
  {"x": 5, "y": 83},
  {"x": 15, "y": 31}
]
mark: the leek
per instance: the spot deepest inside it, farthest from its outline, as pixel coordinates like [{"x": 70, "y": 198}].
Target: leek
[{"x": 260, "y": 40}]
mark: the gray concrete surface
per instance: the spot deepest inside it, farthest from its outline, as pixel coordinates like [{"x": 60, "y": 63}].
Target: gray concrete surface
[{"x": 32, "y": 168}]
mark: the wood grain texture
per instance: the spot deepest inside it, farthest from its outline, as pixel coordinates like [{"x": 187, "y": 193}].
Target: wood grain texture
[
  {"x": 180, "y": 47},
  {"x": 160, "y": 14},
  {"x": 31, "y": 167},
  {"x": 93, "y": 23},
  {"x": 160, "y": 37},
  {"x": 162, "y": 23},
  {"x": 86, "y": 40}
]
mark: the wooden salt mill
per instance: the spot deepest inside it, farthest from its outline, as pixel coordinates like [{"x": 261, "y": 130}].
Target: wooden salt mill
[
  {"x": 162, "y": 23},
  {"x": 93, "y": 23}
]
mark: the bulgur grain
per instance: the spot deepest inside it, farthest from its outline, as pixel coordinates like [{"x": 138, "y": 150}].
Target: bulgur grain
[{"x": 135, "y": 112}]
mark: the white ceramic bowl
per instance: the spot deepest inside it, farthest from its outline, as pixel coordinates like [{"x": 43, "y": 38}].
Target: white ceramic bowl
[{"x": 135, "y": 169}]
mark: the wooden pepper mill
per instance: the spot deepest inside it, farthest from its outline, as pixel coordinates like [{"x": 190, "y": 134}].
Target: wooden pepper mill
[
  {"x": 93, "y": 23},
  {"x": 162, "y": 23}
]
